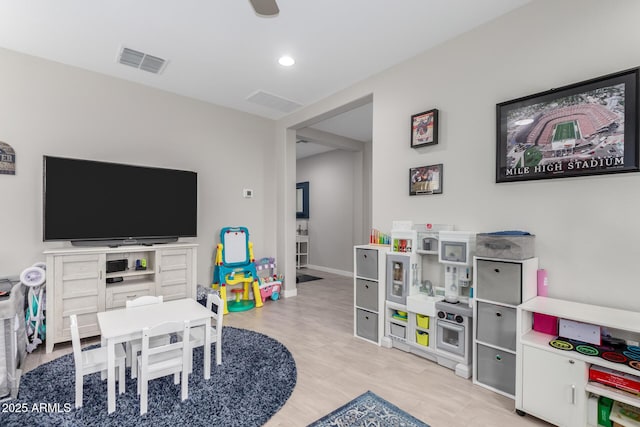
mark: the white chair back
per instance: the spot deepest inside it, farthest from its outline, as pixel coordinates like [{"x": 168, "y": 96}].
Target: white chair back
[
  {"x": 161, "y": 359},
  {"x": 144, "y": 300}
]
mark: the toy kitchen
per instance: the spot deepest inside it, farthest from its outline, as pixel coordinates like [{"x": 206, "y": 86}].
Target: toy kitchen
[{"x": 428, "y": 294}]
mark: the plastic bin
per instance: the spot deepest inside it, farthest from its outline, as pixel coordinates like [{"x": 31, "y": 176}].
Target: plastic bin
[
  {"x": 422, "y": 321},
  {"x": 505, "y": 246},
  {"x": 398, "y": 331},
  {"x": 422, "y": 338}
]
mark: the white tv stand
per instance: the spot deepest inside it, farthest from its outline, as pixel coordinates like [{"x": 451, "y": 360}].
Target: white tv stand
[{"x": 77, "y": 282}]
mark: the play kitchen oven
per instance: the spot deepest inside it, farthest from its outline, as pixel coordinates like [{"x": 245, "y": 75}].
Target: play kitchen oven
[{"x": 454, "y": 330}]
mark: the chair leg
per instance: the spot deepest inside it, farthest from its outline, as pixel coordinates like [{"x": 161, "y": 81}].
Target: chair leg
[
  {"x": 176, "y": 378},
  {"x": 128, "y": 354},
  {"x": 79, "y": 385},
  {"x": 121, "y": 375},
  {"x": 218, "y": 352},
  {"x": 143, "y": 393},
  {"x": 185, "y": 384},
  {"x": 134, "y": 363}
]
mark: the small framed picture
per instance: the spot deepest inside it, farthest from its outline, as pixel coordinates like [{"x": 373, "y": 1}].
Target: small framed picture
[
  {"x": 424, "y": 129},
  {"x": 425, "y": 180}
]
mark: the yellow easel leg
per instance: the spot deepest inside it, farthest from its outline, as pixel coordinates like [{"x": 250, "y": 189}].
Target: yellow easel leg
[
  {"x": 223, "y": 296},
  {"x": 256, "y": 294}
]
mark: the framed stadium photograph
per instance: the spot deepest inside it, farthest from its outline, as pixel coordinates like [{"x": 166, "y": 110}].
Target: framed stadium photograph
[
  {"x": 424, "y": 129},
  {"x": 425, "y": 180},
  {"x": 587, "y": 128}
]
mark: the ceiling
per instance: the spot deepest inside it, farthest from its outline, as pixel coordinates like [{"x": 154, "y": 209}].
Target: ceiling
[{"x": 221, "y": 52}]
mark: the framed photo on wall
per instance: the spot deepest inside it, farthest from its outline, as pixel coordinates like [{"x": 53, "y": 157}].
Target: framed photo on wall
[
  {"x": 424, "y": 129},
  {"x": 425, "y": 180},
  {"x": 587, "y": 128}
]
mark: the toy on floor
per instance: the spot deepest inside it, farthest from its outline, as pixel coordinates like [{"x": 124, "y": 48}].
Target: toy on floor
[
  {"x": 235, "y": 266},
  {"x": 270, "y": 285},
  {"x": 34, "y": 278}
]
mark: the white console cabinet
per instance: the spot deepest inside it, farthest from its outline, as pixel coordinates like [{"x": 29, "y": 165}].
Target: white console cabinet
[
  {"x": 78, "y": 282},
  {"x": 553, "y": 384}
]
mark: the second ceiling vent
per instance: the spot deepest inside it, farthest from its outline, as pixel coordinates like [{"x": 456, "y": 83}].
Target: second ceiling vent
[{"x": 141, "y": 60}]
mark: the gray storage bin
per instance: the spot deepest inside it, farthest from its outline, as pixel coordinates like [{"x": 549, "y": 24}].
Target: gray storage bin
[
  {"x": 496, "y": 369},
  {"x": 499, "y": 281},
  {"x": 367, "y": 294},
  {"x": 367, "y": 325},
  {"x": 497, "y": 325},
  {"x": 504, "y": 246},
  {"x": 367, "y": 263},
  {"x": 398, "y": 331}
]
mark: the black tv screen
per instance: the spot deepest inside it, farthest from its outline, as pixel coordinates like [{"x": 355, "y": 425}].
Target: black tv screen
[{"x": 85, "y": 200}]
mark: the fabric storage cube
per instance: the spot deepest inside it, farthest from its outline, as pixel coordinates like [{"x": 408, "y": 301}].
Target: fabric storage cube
[
  {"x": 505, "y": 246},
  {"x": 398, "y": 331}
]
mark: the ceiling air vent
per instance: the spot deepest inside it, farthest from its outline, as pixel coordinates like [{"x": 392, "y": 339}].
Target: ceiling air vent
[
  {"x": 273, "y": 101},
  {"x": 141, "y": 60}
]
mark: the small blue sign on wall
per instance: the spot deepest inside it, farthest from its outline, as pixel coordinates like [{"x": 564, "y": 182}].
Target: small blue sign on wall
[{"x": 7, "y": 159}]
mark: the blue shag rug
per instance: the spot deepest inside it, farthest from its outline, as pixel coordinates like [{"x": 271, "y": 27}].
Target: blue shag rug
[
  {"x": 368, "y": 410},
  {"x": 255, "y": 379}
]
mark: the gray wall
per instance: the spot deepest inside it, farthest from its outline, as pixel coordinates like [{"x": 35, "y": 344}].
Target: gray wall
[
  {"x": 586, "y": 228},
  {"x": 48, "y": 108},
  {"x": 335, "y": 206}
]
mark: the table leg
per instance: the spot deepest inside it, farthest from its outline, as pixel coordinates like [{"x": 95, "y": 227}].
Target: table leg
[
  {"x": 207, "y": 349},
  {"x": 111, "y": 376}
]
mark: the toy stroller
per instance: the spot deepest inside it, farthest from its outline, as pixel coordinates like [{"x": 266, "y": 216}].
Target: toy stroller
[{"x": 34, "y": 278}]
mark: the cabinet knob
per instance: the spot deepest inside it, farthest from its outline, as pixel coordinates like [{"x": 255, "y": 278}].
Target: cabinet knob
[
  {"x": 366, "y": 286},
  {"x": 365, "y": 255},
  {"x": 497, "y": 270},
  {"x": 498, "y": 357},
  {"x": 572, "y": 362},
  {"x": 498, "y": 314}
]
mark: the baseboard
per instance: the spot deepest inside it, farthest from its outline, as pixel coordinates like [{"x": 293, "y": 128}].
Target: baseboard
[
  {"x": 288, "y": 293},
  {"x": 330, "y": 270}
]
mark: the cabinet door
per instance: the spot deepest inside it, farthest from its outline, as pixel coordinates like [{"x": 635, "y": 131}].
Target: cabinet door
[
  {"x": 174, "y": 270},
  {"x": 553, "y": 387},
  {"x": 79, "y": 289}
]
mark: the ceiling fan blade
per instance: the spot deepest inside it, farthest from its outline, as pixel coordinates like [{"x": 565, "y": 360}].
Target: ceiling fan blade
[{"x": 265, "y": 7}]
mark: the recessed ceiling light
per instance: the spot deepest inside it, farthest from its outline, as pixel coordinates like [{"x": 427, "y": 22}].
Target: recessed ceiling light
[{"x": 286, "y": 61}]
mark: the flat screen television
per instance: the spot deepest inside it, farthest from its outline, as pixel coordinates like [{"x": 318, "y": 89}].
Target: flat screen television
[{"x": 98, "y": 203}]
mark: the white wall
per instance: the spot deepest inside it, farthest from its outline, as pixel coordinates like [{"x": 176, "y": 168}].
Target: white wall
[
  {"x": 48, "y": 108},
  {"x": 586, "y": 229},
  {"x": 335, "y": 206}
]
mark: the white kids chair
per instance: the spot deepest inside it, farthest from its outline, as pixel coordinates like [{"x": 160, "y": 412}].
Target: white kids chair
[
  {"x": 134, "y": 346},
  {"x": 197, "y": 332},
  {"x": 156, "y": 361},
  {"x": 93, "y": 360}
]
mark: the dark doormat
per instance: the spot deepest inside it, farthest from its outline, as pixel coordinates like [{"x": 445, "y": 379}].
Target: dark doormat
[{"x": 306, "y": 278}]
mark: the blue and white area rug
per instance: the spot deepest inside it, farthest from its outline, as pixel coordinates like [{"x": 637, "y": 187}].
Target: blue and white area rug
[
  {"x": 256, "y": 378},
  {"x": 368, "y": 410}
]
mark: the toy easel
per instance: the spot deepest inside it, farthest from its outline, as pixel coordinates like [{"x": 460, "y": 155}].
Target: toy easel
[{"x": 234, "y": 265}]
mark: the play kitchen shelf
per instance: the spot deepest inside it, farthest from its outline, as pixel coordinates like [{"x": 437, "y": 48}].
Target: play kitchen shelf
[{"x": 553, "y": 384}]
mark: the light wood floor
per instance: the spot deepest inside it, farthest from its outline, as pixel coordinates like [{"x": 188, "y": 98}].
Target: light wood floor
[{"x": 335, "y": 367}]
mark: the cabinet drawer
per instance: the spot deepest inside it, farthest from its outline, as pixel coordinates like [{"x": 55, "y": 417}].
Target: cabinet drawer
[
  {"x": 367, "y": 324},
  {"x": 497, "y": 325},
  {"x": 367, "y": 294},
  {"x": 367, "y": 263},
  {"x": 496, "y": 368},
  {"x": 499, "y": 281},
  {"x": 117, "y": 295}
]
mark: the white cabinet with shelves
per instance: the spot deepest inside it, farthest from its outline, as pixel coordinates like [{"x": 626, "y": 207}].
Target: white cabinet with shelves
[
  {"x": 369, "y": 292},
  {"x": 302, "y": 251},
  {"x": 78, "y": 282},
  {"x": 552, "y": 384}
]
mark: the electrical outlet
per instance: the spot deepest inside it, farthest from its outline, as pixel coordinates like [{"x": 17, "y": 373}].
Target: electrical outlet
[{"x": 247, "y": 193}]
